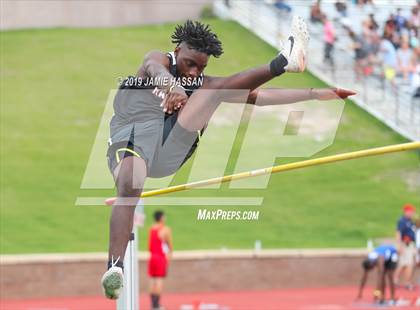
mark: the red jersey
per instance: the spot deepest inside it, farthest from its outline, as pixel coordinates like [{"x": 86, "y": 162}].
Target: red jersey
[
  {"x": 157, "y": 262},
  {"x": 155, "y": 243}
]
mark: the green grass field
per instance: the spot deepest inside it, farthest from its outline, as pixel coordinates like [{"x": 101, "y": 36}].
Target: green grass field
[{"x": 54, "y": 84}]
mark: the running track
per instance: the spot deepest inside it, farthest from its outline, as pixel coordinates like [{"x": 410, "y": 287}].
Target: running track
[{"x": 299, "y": 299}]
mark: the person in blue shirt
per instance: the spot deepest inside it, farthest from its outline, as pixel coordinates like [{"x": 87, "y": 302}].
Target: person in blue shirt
[
  {"x": 400, "y": 21},
  {"x": 406, "y": 238},
  {"x": 385, "y": 259}
]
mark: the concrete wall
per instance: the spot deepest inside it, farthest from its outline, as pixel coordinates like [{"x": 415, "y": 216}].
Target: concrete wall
[
  {"x": 195, "y": 271},
  {"x": 76, "y": 13}
]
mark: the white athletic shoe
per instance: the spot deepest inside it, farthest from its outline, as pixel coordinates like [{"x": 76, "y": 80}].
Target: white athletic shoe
[
  {"x": 296, "y": 45},
  {"x": 112, "y": 282}
]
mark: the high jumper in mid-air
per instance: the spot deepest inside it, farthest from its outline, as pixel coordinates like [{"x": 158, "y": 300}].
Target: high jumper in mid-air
[{"x": 160, "y": 113}]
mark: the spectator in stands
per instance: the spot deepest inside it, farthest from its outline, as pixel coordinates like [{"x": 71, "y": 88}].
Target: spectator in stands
[
  {"x": 406, "y": 238},
  {"x": 360, "y": 47},
  {"x": 329, "y": 39},
  {"x": 341, "y": 7},
  {"x": 390, "y": 31},
  {"x": 415, "y": 80},
  {"x": 405, "y": 57},
  {"x": 370, "y": 36},
  {"x": 316, "y": 13},
  {"x": 367, "y": 29},
  {"x": 282, "y": 5},
  {"x": 390, "y": 24},
  {"x": 414, "y": 39},
  {"x": 414, "y": 20},
  {"x": 400, "y": 21},
  {"x": 388, "y": 59},
  {"x": 374, "y": 26}
]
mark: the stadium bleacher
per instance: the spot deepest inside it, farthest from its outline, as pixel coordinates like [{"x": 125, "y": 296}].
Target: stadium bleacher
[{"x": 396, "y": 106}]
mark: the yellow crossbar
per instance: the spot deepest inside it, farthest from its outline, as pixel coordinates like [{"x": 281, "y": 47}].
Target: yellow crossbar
[{"x": 285, "y": 167}]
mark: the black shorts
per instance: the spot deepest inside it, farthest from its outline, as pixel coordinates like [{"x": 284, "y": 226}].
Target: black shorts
[
  {"x": 391, "y": 265},
  {"x": 392, "y": 262}
]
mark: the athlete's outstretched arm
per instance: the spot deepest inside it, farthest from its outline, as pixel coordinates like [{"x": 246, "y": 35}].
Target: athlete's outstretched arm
[{"x": 276, "y": 96}]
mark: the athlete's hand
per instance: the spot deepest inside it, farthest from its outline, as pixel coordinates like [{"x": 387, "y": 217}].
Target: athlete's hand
[
  {"x": 331, "y": 93},
  {"x": 174, "y": 100}
]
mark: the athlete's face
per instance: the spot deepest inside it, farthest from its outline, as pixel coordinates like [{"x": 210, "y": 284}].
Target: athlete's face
[
  {"x": 190, "y": 62},
  {"x": 409, "y": 213}
]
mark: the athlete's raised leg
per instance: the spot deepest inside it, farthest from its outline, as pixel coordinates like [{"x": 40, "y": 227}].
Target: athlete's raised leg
[{"x": 202, "y": 103}]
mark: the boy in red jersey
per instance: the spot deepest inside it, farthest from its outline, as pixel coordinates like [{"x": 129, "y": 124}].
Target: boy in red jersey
[{"x": 160, "y": 248}]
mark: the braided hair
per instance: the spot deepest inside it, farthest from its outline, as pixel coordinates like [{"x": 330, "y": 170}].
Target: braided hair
[{"x": 198, "y": 37}]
